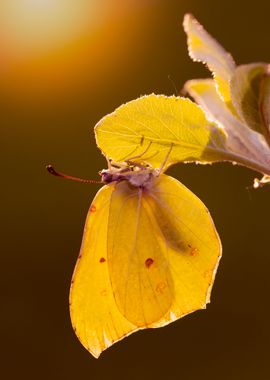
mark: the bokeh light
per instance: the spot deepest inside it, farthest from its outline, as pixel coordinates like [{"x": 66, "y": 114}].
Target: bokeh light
[
  {"x": 51, "y": 47},
  {"x": 36, "y": 26}
]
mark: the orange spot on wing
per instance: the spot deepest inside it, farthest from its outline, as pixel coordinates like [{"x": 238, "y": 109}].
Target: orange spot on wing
[
  {"x": 93, "y": 208},
  {"x": 161, "y": 286},
  {"x": 104, "y": 292},
  {"x": 194, "y": 251},
  {"x": 148, "y": 262},
  {"x": 208, "y": 275}
]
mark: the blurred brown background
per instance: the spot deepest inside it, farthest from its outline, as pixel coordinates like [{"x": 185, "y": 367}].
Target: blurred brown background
[{"x": 64, "y": 65}]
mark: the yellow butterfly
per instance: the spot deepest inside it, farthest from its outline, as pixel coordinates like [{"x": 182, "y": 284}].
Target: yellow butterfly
[{"x": 148, "y": 257}]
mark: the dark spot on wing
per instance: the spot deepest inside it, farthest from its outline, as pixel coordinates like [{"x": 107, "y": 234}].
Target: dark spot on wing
[
  {"x": 93, "y": 208},
  {"x": 102, "y": 260},
  {"x": 148, "y": 262},
  {"x": 142, "y": 140}
]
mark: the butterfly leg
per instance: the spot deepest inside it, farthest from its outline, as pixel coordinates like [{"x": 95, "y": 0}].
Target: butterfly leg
[
  {"x": 165, "y": 159},
  {"x": 141, "y": 154}
]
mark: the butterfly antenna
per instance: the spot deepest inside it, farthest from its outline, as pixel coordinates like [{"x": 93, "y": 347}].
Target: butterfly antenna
[{"x": 52, "y": 171}]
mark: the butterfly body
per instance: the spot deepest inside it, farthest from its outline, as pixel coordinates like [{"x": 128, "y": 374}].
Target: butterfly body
[{"x": 135, "y": 173}]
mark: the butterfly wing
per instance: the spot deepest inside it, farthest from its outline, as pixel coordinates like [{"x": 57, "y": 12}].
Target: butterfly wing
[
  {"x": 193, "y": 245},
  {"x": 95, "y": 317},
  {"x": 147, "y": 258},
  {"x": 163, "y": 252}
]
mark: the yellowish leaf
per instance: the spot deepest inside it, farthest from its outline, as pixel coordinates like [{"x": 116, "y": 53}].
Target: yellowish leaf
[
  {"x": 264, "y": 103},
  {"x": 150, "y": 127},
  {"x": 204, "y": 48},
  {"x": 246, "y": 85},
  {"x": 243, "y": 145}
]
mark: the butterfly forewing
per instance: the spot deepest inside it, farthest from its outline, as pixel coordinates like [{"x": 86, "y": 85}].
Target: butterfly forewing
[{"x": 95, "y": 317}]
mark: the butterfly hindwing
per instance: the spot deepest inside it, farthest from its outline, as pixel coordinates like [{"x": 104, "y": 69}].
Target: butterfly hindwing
[{"x": 194, "y": 247}]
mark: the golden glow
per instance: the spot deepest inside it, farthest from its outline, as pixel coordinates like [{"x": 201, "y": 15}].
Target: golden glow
[
  {"x": 52, "y": 48},
  {"x": 41, "y": 25}
]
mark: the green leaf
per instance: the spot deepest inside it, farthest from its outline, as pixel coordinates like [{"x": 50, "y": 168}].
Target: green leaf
[
  {"x": 150, "y": 126},
  {"x": 245, "y": 91}
]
